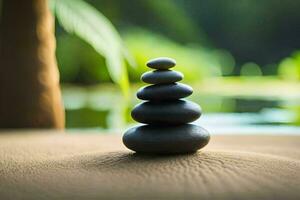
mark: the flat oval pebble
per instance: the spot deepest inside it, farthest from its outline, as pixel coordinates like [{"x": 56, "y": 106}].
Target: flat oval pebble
[
  {"x": 186, "y": 138},
  {"x": 159, "y": 92},
  {"x": 163, "y": 113},
  {"x": 161, "y": 63},
  {"x": 162, "y": 76}
]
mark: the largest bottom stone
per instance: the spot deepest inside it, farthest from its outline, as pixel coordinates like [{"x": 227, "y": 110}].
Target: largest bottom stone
[{"x": 185, "y": 138}]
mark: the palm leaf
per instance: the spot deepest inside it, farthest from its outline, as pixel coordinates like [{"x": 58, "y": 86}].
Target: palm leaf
[{"x": 79, "y": 18}]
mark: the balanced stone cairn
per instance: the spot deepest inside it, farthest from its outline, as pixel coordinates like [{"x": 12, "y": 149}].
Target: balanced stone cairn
[{"x": 166, "y": 115}]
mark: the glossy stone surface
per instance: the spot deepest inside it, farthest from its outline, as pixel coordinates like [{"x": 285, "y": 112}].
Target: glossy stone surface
[
  {"x": 160, "y": 92},
  {"x": 164, "y": 113},
  {"x": 161, "y": 63},
  {"x": 161, "y": 76},
  {"x": 185, "y": 138}
]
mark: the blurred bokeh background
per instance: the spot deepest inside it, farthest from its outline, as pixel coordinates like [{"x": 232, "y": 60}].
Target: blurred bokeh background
[{"x": 241, "y": 57}]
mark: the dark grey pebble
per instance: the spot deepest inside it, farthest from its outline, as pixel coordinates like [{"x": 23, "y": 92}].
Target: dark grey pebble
[
  {"x": 186, "y": 138},
  {"x": 161, "y": 63},
  {"x": 170, "y": 112},
  {"x": 162, "y": 76},
  {"x": 159, "y": 92}
]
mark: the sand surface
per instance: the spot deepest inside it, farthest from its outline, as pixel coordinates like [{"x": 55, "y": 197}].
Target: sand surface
[{"x": 51, "y": 165}]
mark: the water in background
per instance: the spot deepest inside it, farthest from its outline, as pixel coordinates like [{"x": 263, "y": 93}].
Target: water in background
[{"x": 104, "y": 108}]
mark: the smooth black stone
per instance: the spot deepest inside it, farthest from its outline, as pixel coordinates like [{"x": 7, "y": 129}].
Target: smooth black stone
[
  {"x": 186, "y": 138},
  {"x": 161, "y": 63},
  {"x": 162, "y": 76},
  {"x": 160, "y": 92},
  {"x": 163, "y": 113}
]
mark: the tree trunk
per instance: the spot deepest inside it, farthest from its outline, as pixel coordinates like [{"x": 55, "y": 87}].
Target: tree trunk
[{"x": 30, "y": 96}]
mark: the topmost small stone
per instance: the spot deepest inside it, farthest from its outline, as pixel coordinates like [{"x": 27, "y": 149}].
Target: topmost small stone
[{"x": 161, "y": 63}]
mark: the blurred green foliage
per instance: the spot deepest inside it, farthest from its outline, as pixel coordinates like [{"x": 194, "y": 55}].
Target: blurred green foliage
[
  {"x": 178, "y": 29},
  {"x": 289, "y": 68},
  {"x": 79, "y": 63},
  {"x": 175, "y": 24},
  {"x": 194, "y": 61},
  {"x": 79, "y": 18},
  {"x": 211, "y": 41},
  {"x": 250, "y": 69},
  {"x": 252, "y": 30},
  {"x": 166, "y": 17}
]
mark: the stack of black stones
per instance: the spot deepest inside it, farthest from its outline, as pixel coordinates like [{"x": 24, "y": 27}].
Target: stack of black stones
[{"x": 166, "y": 115}]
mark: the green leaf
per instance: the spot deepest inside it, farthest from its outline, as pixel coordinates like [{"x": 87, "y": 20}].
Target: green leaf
[{"x": 79, "y": 18}]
